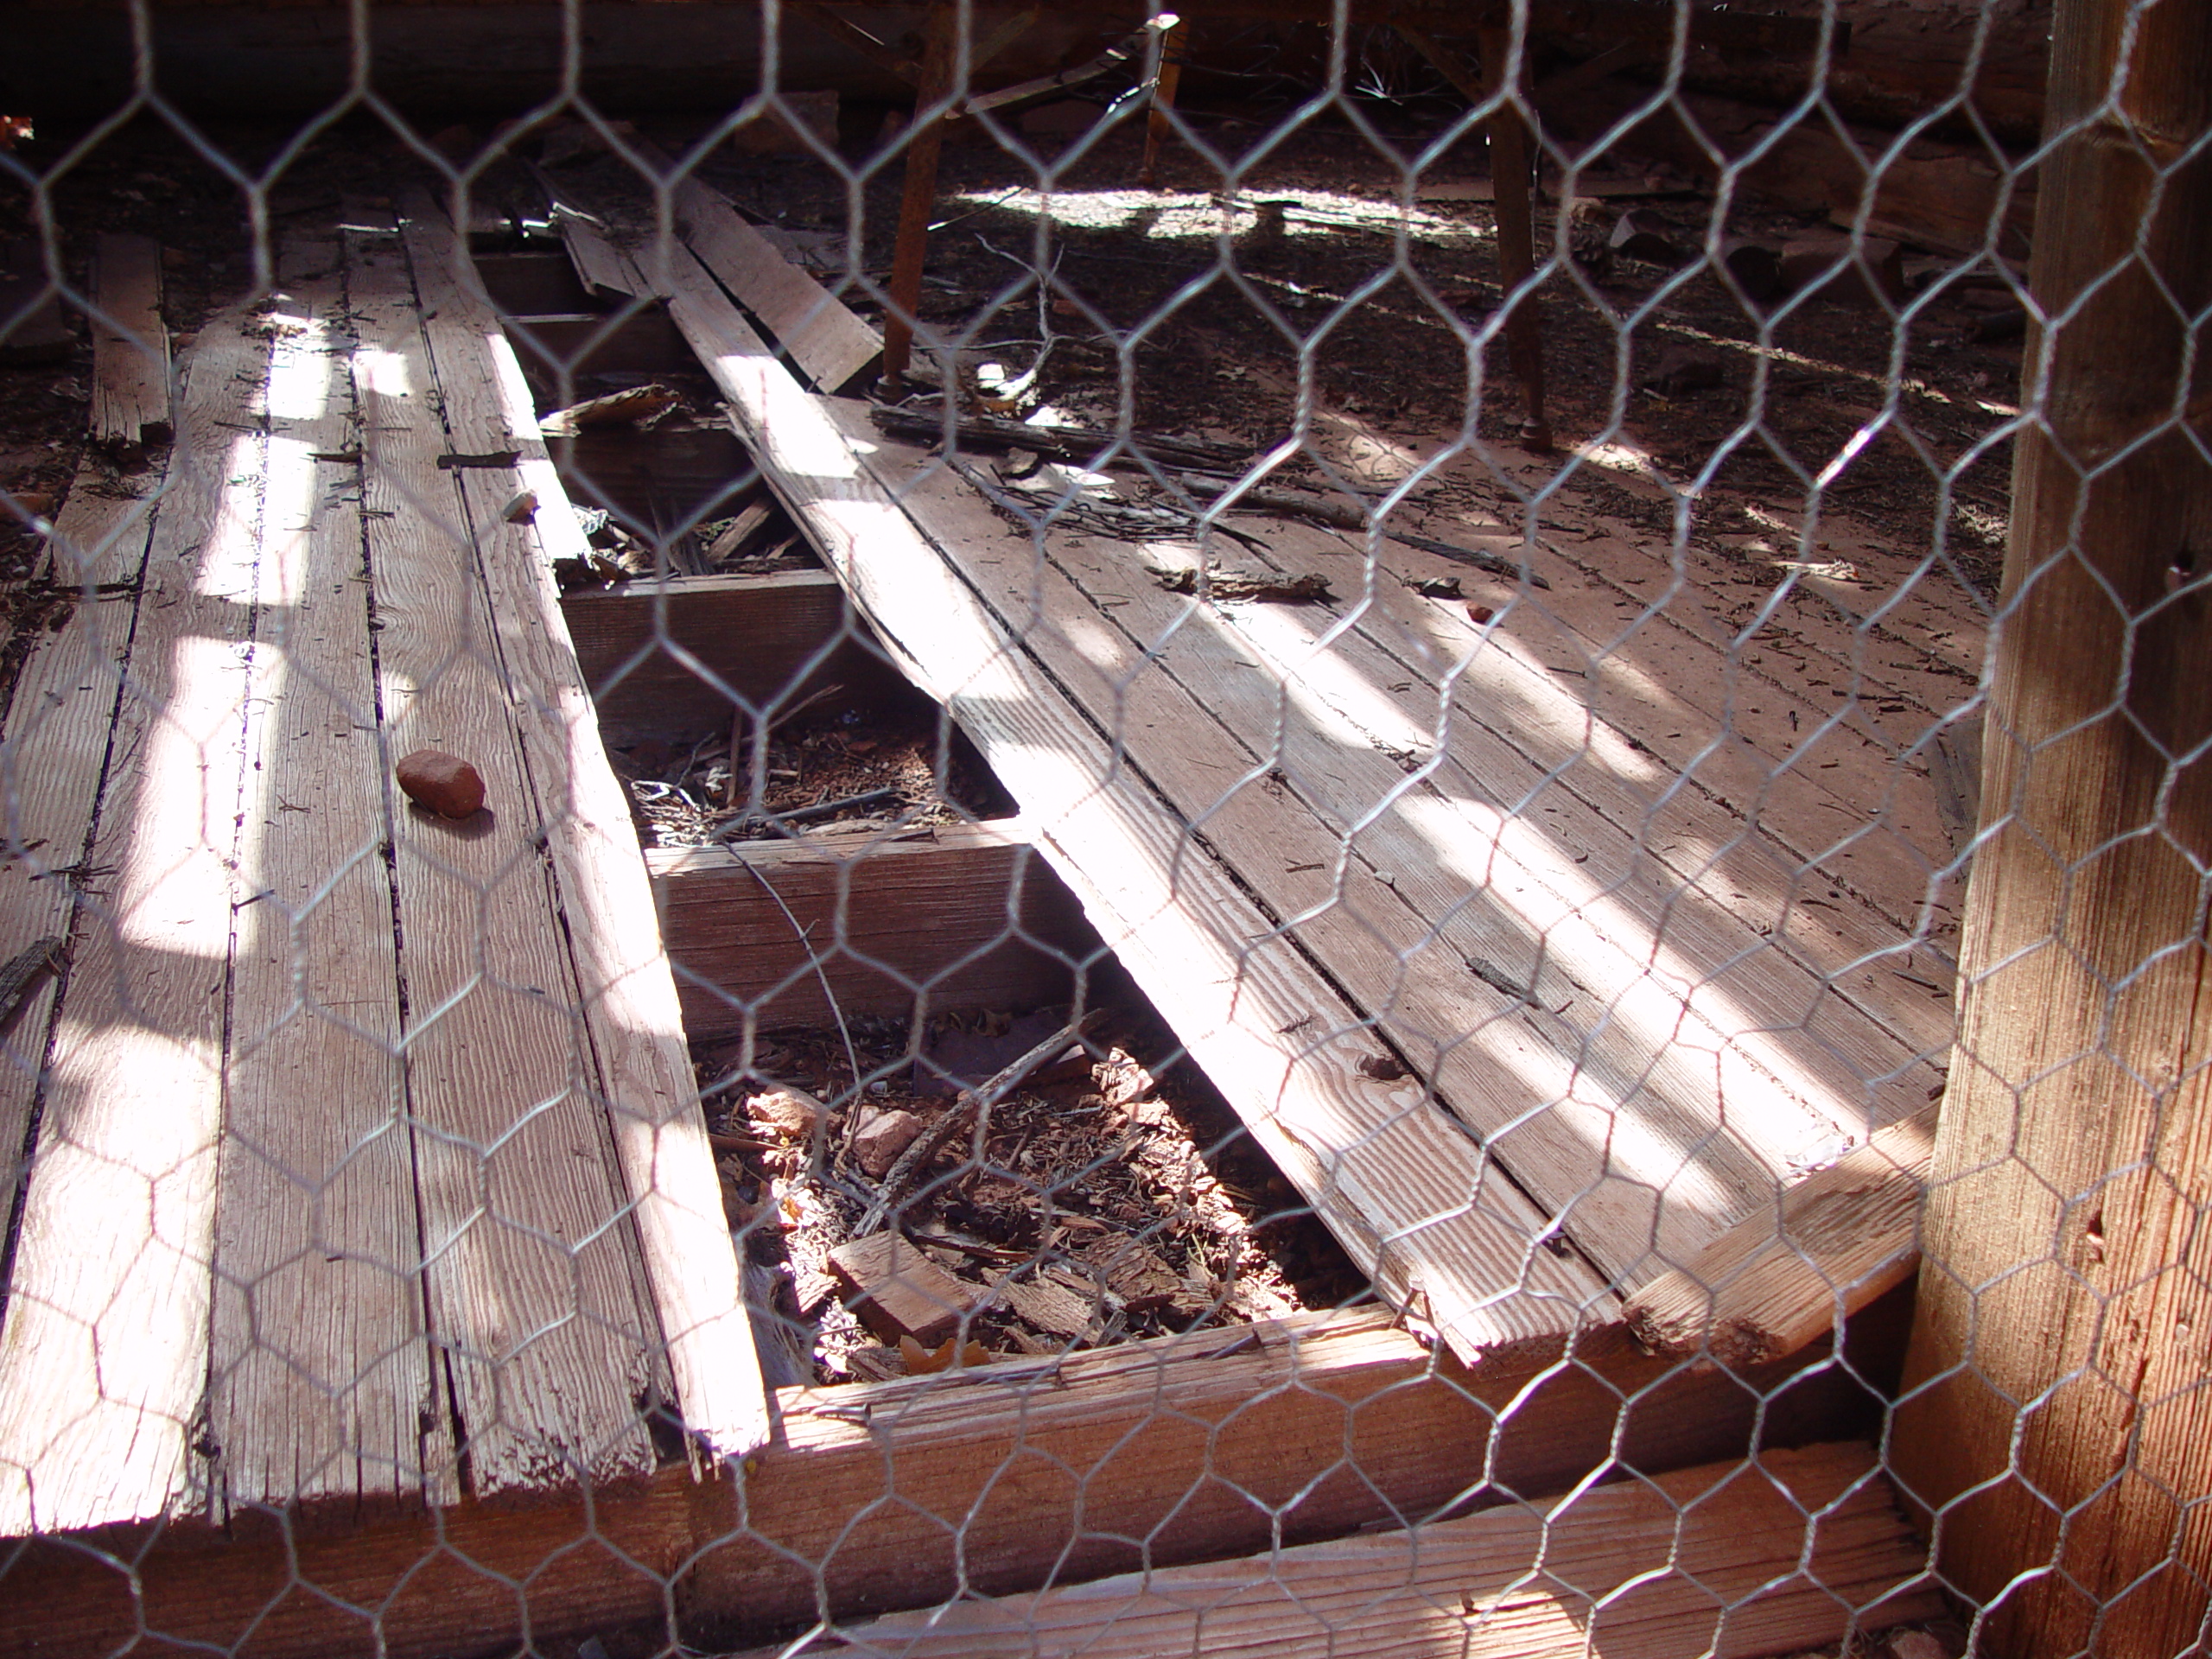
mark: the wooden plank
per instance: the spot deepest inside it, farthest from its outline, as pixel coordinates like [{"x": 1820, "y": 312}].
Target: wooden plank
[
  {"x": 1719, "y": 1559},
  {"x": 678, "y": 658},
  {"x": 900, "y": 926},
  {"x": 831, "y": 346},
  {"x": 641, "y": 1077},
  {"x": 989, "y": 1481},
  {"x": 1780, "y": 1279},
  {"x": 532, "y": 1283},
  {"x": 58, "y": 728},
  {"x": 131, "y": 345},
  {"x": 897, "y": 1291},
  {"x": 321, "y": 1389},
  {"x": 1420, "y": 1207},
  {"x": 104, "y": 1350}
]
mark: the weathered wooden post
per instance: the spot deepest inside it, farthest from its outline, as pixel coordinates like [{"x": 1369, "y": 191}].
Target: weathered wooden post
[{"x": 2057, "y": 1429}]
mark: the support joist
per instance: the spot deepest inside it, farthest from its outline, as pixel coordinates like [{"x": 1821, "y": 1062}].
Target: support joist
[
  {"x": 901, "y": 925},
  {"x": 900, "y": 1495}
]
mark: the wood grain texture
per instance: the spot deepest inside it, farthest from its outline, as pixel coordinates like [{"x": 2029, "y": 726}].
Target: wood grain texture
[
  {"x": 1417, "y": 1204},
  {"x": 1780, "y": 1279},
  {"x": 130, "y": 345},
  {"x": 993, "y": 1481},
  {"x": 966, "y": 916},
  {"x": 2064, "y": 1427},
  {"x": 54, "y": 753},
  {"x": 676, "y": 658},
  {"x": 1721, "y": 1559},
  {"x": 535, "y": 1290},
  {"x": 631, "y": 1028},
  {"x": 104, "y": 1350},
  {"x": 830, "y": 346},
  {"x": 321, "y": 1389}
]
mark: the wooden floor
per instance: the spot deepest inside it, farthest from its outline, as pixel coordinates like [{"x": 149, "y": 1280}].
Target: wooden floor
[
  {"x": 1536, "y": 951},
  {"x": 365, "y": 1166}
]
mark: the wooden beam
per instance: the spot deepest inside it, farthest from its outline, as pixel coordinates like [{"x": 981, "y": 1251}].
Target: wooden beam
[
  {"x": 898, "y": 1495},
  {"x": 1159, "y": 124},
  {"x": 130, "y": 346},
  {"x": 917, "y": 200},
  {"x": 1713, "y": 1559},
  {"x": 1511, "y": 186},
  {"x": 964, "y": 915},
  {"x": 664, "y": 659},
  {"x": 1780, "y": 1278},
  {"x": 2063, "y": 1434}
]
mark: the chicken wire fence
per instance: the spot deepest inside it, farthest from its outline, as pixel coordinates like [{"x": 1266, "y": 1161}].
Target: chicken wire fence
[{"x": 1286, "y": 823}]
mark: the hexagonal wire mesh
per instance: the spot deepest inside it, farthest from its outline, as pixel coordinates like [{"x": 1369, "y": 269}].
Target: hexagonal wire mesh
[{"x": 1305, "y": 697}]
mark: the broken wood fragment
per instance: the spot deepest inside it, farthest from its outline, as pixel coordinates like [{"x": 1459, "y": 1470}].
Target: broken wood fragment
[
  {"x": 635, "y": 405},
  {"x": 1234, "y": 584},
  {"x": 898, "y": 1292},
  {"x": 1475, "y": 557},
  {"x": 1090, "y": 447},
  {"x": 131, "y": 348},
  {"x": 1778, "y": 1281}
]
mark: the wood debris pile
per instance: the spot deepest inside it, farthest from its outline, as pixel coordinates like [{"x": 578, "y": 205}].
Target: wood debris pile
[{"x": 1091, "y": 1212}]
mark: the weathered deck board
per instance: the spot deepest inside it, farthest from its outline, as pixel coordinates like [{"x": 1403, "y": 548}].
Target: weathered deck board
[
  {"x": 630, "y": 1030},
  {"x": 131, "y": 345},
  {"x": 103, "y": 1353},
  {"x": 1419, "y": 1206},
  {"x": 533, "y": 1285},
  {"x": 53, "y": 758},
  {"x": 321, "y": 1382}
]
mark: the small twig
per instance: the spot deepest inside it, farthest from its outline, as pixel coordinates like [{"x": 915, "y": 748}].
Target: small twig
[
  {"x": 800, "y": 814},
  {"x": 977, "y": 1102}
]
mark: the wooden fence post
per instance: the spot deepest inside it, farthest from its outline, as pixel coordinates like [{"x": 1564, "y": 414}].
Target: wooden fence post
[{"x": 2058, "y": 1428}]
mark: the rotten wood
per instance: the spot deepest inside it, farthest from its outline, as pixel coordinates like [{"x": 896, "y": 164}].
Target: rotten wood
[{"x": 1781, "y": 1279}]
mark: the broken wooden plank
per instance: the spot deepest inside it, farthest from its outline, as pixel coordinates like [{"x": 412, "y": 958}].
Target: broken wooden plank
[
  {"x": 960, "y": 916},
  {"x": 638, "y": 1073},
  {"x": 130, "y": 346},
  {"x": 678, "y": 658},
  {"x": 1001, "y": 1478},
  {"x": 831, "y": 346},
  {"x": 104, "y": 1352},
  {"x": 1416, "y": 1202},
  {"x": 1784, "y": 1278},
  {"x": 321, "y": 1390},
  {"x": 1718, "y": 1559}
]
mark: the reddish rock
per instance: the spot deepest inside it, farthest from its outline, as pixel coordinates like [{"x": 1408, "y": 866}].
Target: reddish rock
[
  {"x": 789, "y": 1113},
  {"x": 441, "y": 782},
  {"x": 877, "y": 1142}
]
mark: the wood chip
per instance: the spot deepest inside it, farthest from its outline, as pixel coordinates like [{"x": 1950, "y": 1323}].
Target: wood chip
[
  {"x": 636, "y": 403},
  {"x": 898, "y": 1292},
  {"x": 1053, "y": 1308}
]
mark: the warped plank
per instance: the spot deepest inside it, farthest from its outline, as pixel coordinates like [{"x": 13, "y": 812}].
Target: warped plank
[
  {"x": 1722, "y": 1558},
  {"x": 640, "y": 1076},
  {"x": 131, "y": 345},
  {"x": 320, "y": 1385},
  {"x": 104, "y": 1353},
  {"x": 961, "y": 916},
  {"x": 532, "y": 1285},
  {"x": 1422, "y": 1208},
  {"x": 1780, "y": 1279},
  {"x": 54, "y": 755}
]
